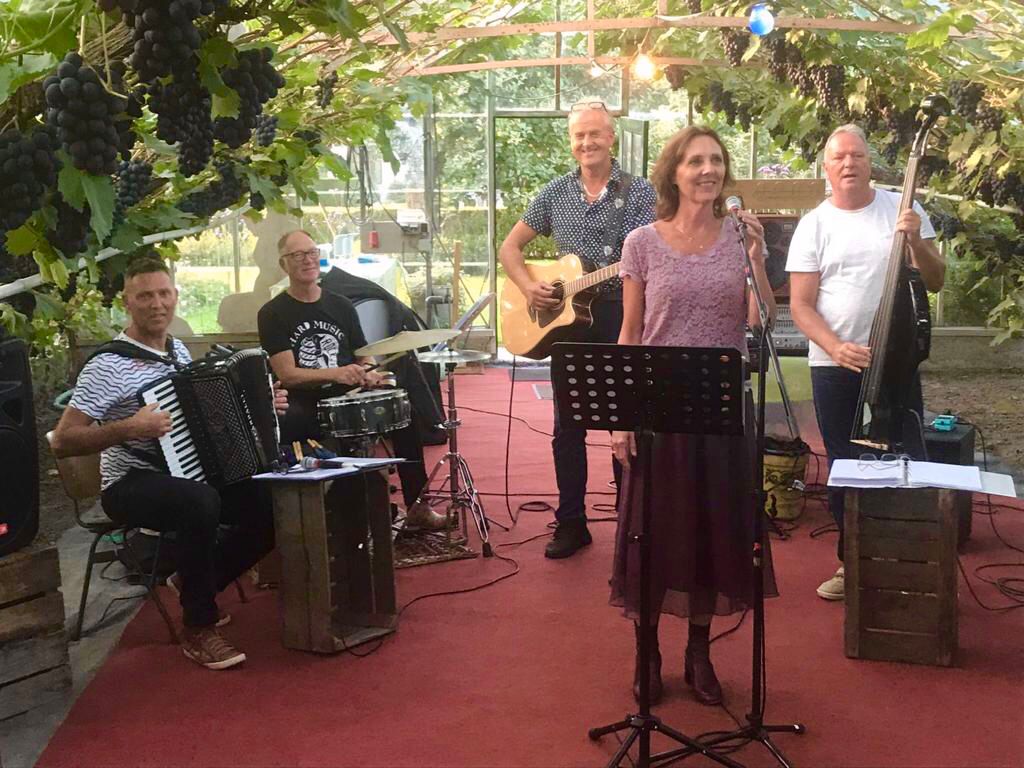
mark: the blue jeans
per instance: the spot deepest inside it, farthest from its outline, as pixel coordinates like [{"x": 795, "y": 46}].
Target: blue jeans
[
  {"x": 836, "y": 391},
  {"x": 569, "y": 443}
]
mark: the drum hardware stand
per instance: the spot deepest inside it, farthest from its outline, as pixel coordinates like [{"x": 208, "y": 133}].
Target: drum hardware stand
[{"x": 457, "y": 491}]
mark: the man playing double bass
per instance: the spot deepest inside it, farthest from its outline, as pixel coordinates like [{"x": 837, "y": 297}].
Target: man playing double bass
[
  {"x": 577, "y": 210},
  {"x": 837, "y": 262}
]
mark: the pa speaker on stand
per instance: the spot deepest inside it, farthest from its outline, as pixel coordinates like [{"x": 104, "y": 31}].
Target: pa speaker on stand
[{"x": 19, "y": 503}]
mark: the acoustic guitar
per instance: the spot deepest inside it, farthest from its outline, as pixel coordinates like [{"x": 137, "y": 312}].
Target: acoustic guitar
[{"x": 531, "y": 332}]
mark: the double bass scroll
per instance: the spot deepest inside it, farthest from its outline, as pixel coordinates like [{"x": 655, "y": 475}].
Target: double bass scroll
[{"x": 901, "y": 331}]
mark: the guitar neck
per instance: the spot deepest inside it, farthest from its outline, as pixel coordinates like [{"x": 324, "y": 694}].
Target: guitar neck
[{"x": 591, "y": 279}]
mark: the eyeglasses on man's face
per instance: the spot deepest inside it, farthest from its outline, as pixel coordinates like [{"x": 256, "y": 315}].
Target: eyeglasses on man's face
[
  {"x": 581, "y": 106},
  {"x": 297, "y": 257}
]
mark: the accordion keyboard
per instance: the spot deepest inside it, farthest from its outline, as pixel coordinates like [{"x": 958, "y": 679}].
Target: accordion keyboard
[{"x": 177, "y": 445}]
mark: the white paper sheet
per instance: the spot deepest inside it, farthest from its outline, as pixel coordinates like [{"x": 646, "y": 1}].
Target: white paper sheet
[
  {"x": 330, "y": 469},
  {"x": 852, "y": 473}
]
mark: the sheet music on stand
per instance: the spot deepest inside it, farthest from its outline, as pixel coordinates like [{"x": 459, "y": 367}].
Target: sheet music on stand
[{"x": 853, "y": 473}]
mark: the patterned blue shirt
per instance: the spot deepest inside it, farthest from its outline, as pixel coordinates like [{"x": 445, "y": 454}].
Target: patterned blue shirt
[{"x": 561, "y": 211}]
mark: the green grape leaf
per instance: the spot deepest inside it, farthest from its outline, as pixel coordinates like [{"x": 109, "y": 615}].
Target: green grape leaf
[
  {"x": 99, "y": 191},
  {"x": 70, "y": 182},
  {"x": 22, "y": 241}
]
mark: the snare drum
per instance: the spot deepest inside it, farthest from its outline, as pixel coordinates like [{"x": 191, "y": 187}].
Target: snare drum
[{"x": 374, "y": 412}]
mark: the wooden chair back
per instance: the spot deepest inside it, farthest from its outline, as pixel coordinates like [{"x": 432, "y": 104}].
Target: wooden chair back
[{"x": 80, "y": 475}]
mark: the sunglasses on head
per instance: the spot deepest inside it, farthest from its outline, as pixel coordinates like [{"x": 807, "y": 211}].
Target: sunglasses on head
[{"x": 580, "y": 106}]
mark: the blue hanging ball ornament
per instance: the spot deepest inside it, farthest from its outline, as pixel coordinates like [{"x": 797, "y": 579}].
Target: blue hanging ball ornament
[{"x": 761, "y": 21}]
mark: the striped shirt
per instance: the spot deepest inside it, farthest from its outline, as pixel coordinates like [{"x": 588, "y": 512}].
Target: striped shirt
[{"x": 107, "y": 390}]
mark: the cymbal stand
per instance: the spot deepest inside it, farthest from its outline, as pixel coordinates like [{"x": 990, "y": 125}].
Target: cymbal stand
[{"x": 457, "y": 490}]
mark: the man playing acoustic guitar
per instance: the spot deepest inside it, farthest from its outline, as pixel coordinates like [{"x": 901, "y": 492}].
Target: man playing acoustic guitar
[{"x": 588, "y": 212}]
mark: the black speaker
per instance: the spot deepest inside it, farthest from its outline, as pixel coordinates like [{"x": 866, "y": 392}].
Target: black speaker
[
  {"x": 955, "y": 447},
  {"x": 778, "y": 231},
  {"x": 19, "y": 460}
]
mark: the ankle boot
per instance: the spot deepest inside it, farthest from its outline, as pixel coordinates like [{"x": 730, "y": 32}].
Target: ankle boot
[
  {"x": 698, "y": 671},
  {"x": 655, "y": 670}
]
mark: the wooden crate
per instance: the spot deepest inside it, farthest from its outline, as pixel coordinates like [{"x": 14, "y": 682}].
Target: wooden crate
[
  {"x": 337, "y": 586},
  {"x": 34, "y": 664},
  {"x": 901, "y": 575}
]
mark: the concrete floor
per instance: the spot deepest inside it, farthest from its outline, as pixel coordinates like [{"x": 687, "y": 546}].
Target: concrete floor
[{"x": 23, "y": 738}]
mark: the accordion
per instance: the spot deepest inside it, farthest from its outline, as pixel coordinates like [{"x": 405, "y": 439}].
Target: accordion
[{"x": 224, "y": 424}]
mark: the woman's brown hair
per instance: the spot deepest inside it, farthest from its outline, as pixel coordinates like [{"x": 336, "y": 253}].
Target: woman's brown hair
[{"x": 663, "y": 178}]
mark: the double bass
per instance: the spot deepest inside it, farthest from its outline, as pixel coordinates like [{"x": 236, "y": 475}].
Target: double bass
[{"x": 901, "y": 331}]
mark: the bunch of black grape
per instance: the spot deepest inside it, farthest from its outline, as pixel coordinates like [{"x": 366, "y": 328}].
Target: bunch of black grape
[
  {"x": 71, "y": 233},
  {"x": 28, "y": 168},
  {"x": 257, "y": 202},
  {"x": 217, "y": 195},
  {"x": 134, "y": 181},
  {"x": 928, "y": 166},
  {"x": 256, "y": 82},
  {"x": 309, "y": 135},
  {"x": 693, "y": 6},
  {"x": 85, "y": 115},
  {"x": 1007, "y": 189},
  {"x": 325, "y": 90},
  {"x": 780, "y": 55},
  {"x": 735, "y": 43},
  {"x": 721, "y": 101},
  {"x": 946, "y": 225},
  {"x": 676, "y": 75},
  {"x": 166, "y": 37},
  {"x": 830, "y": 80},
  {"x": 744, "y": 116},
  {"x": 183, "y": 109},
  {"x": 126, "y": 136},
  {"x": 988, "y": 118},
  {"x": 875, "y": 111},
  {"x": 805, "y": 78},
  {"x": 966, "y": 96},
  {"x": 900, "y": 125},
  {"x": 266, "y": 129}
]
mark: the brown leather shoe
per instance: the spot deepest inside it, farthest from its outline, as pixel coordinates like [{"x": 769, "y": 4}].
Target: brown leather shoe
[{"x": 654, "y": 685}]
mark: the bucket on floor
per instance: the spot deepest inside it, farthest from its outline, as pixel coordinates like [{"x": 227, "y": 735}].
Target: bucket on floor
[{"x": 785, "y": 462}]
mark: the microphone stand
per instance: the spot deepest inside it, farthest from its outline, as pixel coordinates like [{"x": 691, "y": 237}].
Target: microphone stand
[{"x": 755, "y": 729}]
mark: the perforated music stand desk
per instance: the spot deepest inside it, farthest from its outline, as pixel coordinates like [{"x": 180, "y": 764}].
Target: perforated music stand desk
[{"x": 694, "y": 390}]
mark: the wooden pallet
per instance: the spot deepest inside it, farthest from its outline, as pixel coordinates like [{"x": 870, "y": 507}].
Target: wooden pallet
[
  {"x": 901, "y": 582},
  {"x": 34, "y": 664}
]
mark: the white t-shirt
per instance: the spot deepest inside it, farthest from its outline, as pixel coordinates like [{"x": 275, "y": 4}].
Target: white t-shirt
[
  {"x": 107, "y": 390},
  {"x": 850, "y": 252}
]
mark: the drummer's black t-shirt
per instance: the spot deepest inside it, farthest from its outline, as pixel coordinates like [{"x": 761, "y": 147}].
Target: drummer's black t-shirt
[{"x": 320, "y": 334}]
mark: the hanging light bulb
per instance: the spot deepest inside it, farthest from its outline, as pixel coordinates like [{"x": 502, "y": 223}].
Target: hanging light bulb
[
  {"x": 596, "y": 70},
  {"x": 644, "y": 67},
  {"x": 761, "y": 20}
]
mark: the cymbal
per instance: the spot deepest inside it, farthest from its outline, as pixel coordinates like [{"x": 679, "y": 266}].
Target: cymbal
[
  {"x": 406, "y": 341},
  {"x": 454, "y": 356}
]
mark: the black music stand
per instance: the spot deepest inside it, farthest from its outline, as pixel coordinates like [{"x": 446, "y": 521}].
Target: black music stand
[{"x": 697, "y": 390}]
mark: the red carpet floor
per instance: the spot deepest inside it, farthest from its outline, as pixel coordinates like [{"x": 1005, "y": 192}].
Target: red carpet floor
[{"x": 515, "y": 674}]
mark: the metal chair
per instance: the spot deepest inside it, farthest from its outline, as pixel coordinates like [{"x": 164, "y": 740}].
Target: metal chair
[{"x": 80, "y": 476}]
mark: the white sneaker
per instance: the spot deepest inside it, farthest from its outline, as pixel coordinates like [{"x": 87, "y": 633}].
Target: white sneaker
[{"x": 834, "y": 588}]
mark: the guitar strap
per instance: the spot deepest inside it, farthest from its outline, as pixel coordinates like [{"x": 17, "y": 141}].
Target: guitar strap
[{"x": 618, "y": 212}]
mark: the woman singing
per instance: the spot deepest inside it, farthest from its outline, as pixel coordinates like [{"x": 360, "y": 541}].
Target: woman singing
[{"x": 684, "y": 285}]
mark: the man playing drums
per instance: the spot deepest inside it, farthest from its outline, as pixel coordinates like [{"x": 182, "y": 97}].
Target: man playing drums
[{"x": 311, "y": 335}]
